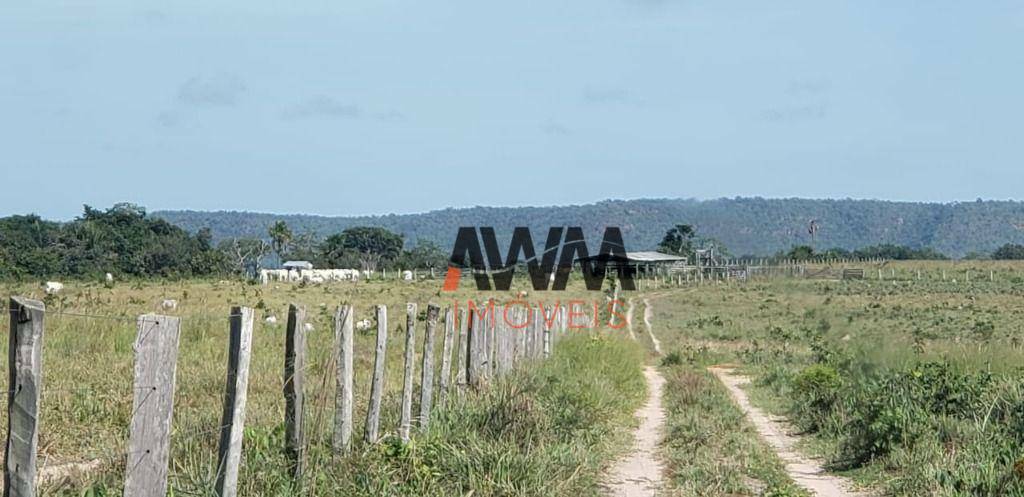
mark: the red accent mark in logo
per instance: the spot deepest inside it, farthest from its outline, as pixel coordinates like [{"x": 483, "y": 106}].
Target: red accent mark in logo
[{"x": 451, "y": 279}]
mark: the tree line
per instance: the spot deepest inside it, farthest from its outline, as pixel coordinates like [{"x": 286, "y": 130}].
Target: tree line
[
  {"x": 125, "y": 241},
  {"x": 682, "y": 239},
  {"x": 756, "y": 226}
]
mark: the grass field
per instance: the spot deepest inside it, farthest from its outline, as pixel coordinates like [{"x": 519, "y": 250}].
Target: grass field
[
  {"x": 913, "y": 386},
  {"x": 546, "y": 430}
]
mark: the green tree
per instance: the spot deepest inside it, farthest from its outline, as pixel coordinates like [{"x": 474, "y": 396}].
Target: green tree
[
  {"x": 29, "y": 246},
  {"x": 800, "y": 253},
  {"x": 897, "y": 253},
  {"x": 371, "y": 246},
  {"x": 678, "y": 240},
  {"x": 280, "y": 238},
  {"x": 122, "y": 240},
  {"x": 426, "y": 254},
  {"x": 1009, "y": 252}
]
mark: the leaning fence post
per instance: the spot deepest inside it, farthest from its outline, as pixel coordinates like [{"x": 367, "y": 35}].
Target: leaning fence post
[
  {"x": 405, "y": 423},
  {"x": 149, "y": 443},
  {"x": 344, "y": 397},
  {"x": 25, "y": 383},
  {"x": 377, "y": 384},
  {"x": 294, "y": 380},
  {"x": 427, "y": 376},
  {"x": 446, "y": 356},
  {"x": 229, "y": 451}
]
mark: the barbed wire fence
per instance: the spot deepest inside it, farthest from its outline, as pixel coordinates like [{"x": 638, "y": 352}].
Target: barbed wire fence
[{"x": 492, "y": 347}]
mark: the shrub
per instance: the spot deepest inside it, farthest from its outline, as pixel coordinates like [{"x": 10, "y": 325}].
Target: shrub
[
  {"x": 816, "y": 389},
  {"x": 673, "y": 358}
]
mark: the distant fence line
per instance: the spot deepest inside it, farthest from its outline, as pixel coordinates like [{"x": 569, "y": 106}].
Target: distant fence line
[
  {"x": 740, "y": 270},
  {"x": 475, "y": 342},
  {"x": 657, "y": 276}
]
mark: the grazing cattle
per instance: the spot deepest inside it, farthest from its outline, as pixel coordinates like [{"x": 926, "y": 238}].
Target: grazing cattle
[
  {"x": 363, "y": 324},
  {"x": 307, "y": 327},
  {"x": 169, "y": 304},
  {"x": 53, "y": 287},
  {"x": 316, "y": 276},
  {"x": 271, "y": 320}
]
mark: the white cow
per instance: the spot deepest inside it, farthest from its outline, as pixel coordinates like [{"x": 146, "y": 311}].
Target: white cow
[
  {"x": 271, "y": 320},
  {"x": 363, "y": 324},
  {"x": 53, "y": 287},
  {"x": 316, "y": 276},
  {"x": 109, "y": 278},
  {"x": 169, "y": 304},
  {"x": 307, "y": 327}
]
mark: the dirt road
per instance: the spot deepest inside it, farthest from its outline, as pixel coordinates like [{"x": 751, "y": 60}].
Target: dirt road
[
  {"x": 639, "y": 474},
  {"x": 806, "y": 472}
]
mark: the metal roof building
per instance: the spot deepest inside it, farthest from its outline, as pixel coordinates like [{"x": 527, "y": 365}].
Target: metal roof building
[
  {"x": 635, "y": 262},
  {"x": 638, "y": 258}
]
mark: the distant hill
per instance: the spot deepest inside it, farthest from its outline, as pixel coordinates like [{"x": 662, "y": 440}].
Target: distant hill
[{"x": 747, "y": 226}]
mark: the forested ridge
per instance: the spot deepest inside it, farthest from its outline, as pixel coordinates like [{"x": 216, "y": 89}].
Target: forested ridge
[{"x": 746, "y": 226}]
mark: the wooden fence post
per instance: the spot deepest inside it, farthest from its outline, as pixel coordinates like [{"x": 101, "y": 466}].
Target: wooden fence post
[
  {"x": 491, "y": 330},
  {"x": 427, "y": 373},
  {"x": 405, "y": 423},
  {"x": 538, "y": 332},
  {"x": 149, "y": 443},
  {"x": 462, "y": 357},
  {"x": 236, "y": 392},
  {"x": 475, "y": 347},
  {"x": 506, "y": 332},
  {"x": 523, "y": 334},
  {"x": 446, "y": 356},
  {"x": 25, "y": 383},
  {"x": 294, "y": 382},
  {"x": 377, "y": 384},
  {"x": 343, "y": 399},
  {"x": 547, "y": 334},
  {"x": 232, "y": 425}
]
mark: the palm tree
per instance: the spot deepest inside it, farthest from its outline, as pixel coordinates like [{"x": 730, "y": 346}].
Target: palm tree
[{"x": 280, "y": 237}]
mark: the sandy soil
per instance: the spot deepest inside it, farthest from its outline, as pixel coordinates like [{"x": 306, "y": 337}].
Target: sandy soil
[
  {"x": 648, "y": 314},
  {"x": 806, "y": 472},
  {"x": 639, "y": 474},
  {"x": 629, "y": 320}
]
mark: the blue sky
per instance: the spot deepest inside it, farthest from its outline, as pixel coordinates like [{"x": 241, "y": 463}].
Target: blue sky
[{"x": 400, "y": 106}]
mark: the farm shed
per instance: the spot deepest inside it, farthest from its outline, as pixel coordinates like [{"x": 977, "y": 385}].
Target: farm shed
[
  {"x": 639, "y": 262},
  {"x": 297, "y": 265}
]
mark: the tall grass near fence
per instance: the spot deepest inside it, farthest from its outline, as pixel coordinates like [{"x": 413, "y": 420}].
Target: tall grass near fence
[
  {"x": 544, "y": 430},
  {"x": 570, "y": 401}
]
